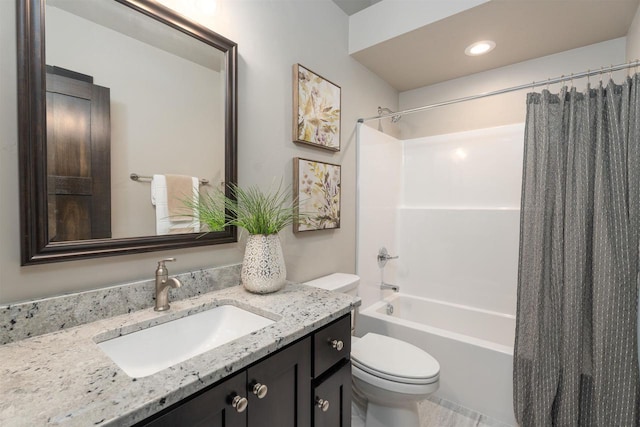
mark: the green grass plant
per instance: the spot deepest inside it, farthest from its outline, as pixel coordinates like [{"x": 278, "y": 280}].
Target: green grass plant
[{"x": 251, "y": 208}]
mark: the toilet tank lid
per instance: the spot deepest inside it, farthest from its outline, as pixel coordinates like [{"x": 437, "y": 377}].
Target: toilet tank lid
[{"x": 337, "y": 282}]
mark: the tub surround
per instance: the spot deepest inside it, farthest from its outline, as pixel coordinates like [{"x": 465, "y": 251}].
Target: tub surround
[
  {"x": 32, "y": 318},
  {"x": 64, "y": 378}
]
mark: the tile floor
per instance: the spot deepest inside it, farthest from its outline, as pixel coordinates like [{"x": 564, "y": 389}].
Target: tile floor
[{"x": 436, "y": 412}]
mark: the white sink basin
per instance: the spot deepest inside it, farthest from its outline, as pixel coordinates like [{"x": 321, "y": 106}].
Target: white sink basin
[{"x": 156, "y": 348}]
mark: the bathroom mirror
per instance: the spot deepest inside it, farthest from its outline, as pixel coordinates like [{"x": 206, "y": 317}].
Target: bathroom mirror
[{"x": 108, "y": 89}]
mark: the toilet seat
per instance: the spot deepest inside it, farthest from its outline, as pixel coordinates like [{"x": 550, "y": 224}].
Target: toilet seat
[
  {"x": 392, "y": 390},
  {"x": 395, "y": 379},
  {"x": 393, "y": 360}
]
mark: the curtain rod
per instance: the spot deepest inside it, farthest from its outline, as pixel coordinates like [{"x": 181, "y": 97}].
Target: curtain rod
[{"x": 507, "y": 90}]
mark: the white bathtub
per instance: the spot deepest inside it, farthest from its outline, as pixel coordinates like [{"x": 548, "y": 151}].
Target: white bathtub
[{"x": 474, "y": 348}]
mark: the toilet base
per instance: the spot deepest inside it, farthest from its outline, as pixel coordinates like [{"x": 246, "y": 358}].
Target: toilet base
[
  {"x": 386, "y": 408},
  {"x": 387, "y": 416}
]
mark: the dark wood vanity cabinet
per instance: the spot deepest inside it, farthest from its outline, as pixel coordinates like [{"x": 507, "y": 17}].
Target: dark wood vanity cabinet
[
  {"x": 331, "y": 344},
  {"x": 334, "y": 388},
  {"x": 332, "y": 375},
  {"x": 307, "y": 383},
  {"x": 210, "y": 408},
  {"x": 287, "y": 376}
]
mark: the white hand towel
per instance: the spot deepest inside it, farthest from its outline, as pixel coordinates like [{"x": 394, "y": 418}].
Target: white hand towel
[{"x": 159, "y": 199}]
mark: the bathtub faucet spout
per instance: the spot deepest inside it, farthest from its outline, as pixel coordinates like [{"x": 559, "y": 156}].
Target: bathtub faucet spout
[{"x": 394, "y": 288}]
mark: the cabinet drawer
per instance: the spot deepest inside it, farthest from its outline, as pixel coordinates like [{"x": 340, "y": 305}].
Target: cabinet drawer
[{"x": 331, "y": 344}]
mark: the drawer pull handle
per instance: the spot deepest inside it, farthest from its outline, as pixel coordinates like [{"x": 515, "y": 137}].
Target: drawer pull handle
[
  {"x": 260, "y": 390},
  {"x": 322, "y": 404},
  {"x": 239, "y": 403},
  {"x": 337, "y": 344}
]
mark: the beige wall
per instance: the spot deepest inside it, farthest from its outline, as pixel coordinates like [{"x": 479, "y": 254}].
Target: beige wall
[
  {"x": 633, "y": 38},
  {"x": 501, "y": 109},
  {"x": 272, "y": 36}
]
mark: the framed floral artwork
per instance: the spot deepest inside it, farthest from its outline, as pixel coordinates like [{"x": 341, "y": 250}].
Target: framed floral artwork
[
  {"x": 316, "y": 186},
  {"x": 316, "y": 110}
]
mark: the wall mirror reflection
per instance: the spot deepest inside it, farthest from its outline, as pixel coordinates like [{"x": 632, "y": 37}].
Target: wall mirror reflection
[{"x": 137, "y": 106}]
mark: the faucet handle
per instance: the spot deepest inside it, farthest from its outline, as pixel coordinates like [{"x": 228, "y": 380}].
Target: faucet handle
[
  {"x": 162, "y": 269},
  {"x": 383, "y": 257}
]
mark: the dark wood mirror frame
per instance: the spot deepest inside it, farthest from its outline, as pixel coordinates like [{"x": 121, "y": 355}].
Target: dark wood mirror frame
[{"x": 35, "y": 245}]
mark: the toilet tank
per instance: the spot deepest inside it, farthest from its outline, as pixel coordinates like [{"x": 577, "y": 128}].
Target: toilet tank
[{"x": 337, "y": 282}]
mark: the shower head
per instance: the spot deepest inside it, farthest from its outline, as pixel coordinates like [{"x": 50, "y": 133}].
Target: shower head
[{"x": 394, "y": 119}]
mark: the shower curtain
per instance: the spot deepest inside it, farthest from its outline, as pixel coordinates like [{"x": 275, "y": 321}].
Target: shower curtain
[{"x": 576, "y": 350}]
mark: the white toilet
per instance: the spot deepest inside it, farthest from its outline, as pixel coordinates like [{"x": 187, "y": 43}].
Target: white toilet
[{"x": 392, "y": 375}]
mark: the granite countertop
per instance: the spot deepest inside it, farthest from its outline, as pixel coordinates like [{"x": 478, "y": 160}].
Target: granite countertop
[{"x": 64, "y": 377}]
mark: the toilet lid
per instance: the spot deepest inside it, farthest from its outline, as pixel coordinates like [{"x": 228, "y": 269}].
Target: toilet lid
[{"x": 394, "y": 359}]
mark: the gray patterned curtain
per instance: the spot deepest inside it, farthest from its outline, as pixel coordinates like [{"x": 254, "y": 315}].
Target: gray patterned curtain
[{"x": 576, "y": 350}]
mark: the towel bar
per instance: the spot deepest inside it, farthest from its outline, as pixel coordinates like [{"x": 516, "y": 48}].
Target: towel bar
[{"x": 136, "y": 177}]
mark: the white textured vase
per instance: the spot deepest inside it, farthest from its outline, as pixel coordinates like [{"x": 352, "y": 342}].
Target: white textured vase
[{"x": 263, "y": 269}]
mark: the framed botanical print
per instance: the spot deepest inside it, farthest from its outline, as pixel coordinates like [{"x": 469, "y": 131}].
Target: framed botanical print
[
  {"x": 316, "y": 110},
  {"x": 317, "y": 188}
]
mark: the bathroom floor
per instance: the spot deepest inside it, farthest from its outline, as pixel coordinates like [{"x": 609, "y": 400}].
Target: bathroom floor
[{"x": 436, "y": 412}]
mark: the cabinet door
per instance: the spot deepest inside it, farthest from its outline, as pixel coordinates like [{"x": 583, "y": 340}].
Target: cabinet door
[
  {"x": 212, "y": 408},
  {"x": 78, "y": 159},
  {"x": 287, "y": 376},
  {"x": 332, "y": 399}
]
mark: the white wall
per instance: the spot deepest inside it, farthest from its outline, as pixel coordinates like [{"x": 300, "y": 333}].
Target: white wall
[
  {"x": 152, "y": 120},
  {"x": 379, "y": 195},
  {"x": 272, "y": 36},
  {"x": 501, "y": 109},
  {"x": 449, "y": 206},
  {"x": 459, "y": 220},
  {"x": 474, "y": 169},
  {"x": 633, "y": 38}
]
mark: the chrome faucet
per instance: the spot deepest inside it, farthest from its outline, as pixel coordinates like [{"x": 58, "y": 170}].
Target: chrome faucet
[
  {"x": 383, "y": 257},
  {"x": 163, "y": 283},
  {"x": 394, "y": 288}
]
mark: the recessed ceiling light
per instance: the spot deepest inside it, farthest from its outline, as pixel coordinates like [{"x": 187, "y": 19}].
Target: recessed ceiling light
[{"x": 479, "y": 48}]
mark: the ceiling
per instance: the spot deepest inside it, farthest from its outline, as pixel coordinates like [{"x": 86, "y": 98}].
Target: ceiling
[
  {"x": 522, "y": 30},
  {"x": 353, "y": 6}
]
